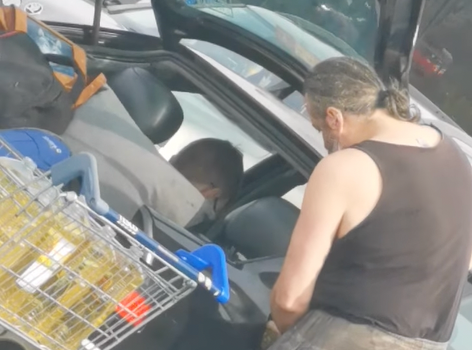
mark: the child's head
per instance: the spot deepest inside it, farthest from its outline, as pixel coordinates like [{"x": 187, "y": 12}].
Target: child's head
[{"x": 214, "y": 167}]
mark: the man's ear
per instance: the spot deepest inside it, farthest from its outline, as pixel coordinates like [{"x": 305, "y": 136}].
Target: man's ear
[
  {"x": 211, "y": 193},
  {"x": 333, "y": 118}
]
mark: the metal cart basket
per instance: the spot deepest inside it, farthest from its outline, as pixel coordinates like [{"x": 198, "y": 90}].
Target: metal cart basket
[{"x": 73, "y": 273}]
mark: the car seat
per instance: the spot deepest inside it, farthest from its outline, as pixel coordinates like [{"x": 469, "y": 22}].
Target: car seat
[
  {"x": 149, "y": 102},
  {"x": 132, "y": 173},
  {"x": 260, "y": 228}
]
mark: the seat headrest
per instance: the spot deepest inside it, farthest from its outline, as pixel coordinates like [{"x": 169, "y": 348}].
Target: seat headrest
[
  {"x": 149, "y": 102},
  {"x": 261, "y": 228}
]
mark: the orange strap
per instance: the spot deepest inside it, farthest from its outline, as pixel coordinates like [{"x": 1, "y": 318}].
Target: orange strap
[
  {"x": 90, "y": 90},
  {"x": 3, "y": 21},
  {"x": 12, "y": 19},
  {"x": 66, "y": 81}
]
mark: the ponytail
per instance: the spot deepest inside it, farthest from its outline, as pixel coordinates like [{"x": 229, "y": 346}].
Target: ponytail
[{"x": 397, "y": 103}]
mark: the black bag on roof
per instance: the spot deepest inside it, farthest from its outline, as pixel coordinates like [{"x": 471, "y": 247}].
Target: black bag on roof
[
  {"x": 43, "y": 75},
  {"x": 30, "y": 95}
]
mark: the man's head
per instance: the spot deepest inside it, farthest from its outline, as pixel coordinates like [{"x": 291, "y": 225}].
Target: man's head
[
  {"x": 214, "y": 167},
  {"x": 342, "y": 94}
]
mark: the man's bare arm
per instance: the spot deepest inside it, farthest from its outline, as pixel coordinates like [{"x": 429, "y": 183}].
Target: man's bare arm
[{"x": 322, "y": 210}]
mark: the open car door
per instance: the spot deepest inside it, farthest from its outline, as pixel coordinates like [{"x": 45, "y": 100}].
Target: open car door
[{"x": 289, "y": 37}]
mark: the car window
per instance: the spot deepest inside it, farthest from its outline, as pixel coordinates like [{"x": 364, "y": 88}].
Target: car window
[
  {"x": 242, "y": 66},
  {"x": 441, "y": 66},
  {"x": 308, "y": 30},
  {"x": 249, "y": 70},
  {"x": 203, "y": 120}
]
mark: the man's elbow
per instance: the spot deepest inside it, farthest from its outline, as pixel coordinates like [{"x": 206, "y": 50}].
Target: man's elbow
[{"x": 289, "y": 305}]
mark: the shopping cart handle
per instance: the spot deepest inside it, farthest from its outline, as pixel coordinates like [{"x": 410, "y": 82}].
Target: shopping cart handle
[
  {"x": 210, "y": 257},
  {"x": 81, "y": 166}
]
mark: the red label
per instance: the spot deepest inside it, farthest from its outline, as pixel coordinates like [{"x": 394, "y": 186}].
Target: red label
[{"x": 132, "y": 308}]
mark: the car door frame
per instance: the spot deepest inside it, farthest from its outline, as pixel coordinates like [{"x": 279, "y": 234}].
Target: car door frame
[{"x": 398, "y": 26}]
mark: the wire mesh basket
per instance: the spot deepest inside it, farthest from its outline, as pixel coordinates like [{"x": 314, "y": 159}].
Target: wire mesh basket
[{"x": 72, "y": 271}]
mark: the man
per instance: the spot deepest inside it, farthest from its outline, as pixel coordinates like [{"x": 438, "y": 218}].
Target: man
[{"x": 380, "y": 253}]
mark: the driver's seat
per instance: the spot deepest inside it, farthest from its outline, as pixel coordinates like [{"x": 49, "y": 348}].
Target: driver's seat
[{"x": 149, "y": 102}]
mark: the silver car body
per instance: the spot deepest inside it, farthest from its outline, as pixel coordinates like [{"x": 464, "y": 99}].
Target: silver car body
[{"x": 204, "y": 120}]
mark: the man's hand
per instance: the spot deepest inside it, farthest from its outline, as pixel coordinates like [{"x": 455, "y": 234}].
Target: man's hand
[{"x": 271, "y": 334}]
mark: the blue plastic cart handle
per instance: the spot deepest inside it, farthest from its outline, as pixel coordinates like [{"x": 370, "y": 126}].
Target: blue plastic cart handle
[{"x": 208, "y": 257}]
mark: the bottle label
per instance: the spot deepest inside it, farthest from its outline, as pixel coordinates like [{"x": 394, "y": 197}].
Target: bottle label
[{"x": 39, "y": 272}]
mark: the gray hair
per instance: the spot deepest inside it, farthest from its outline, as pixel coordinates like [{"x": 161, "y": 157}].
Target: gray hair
[{"x": 353, "y": 87}]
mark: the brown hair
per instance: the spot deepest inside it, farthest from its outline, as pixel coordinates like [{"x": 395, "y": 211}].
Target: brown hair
[
  {"x": 212, "y": 161},
  {"x": 353, "y": 87}
]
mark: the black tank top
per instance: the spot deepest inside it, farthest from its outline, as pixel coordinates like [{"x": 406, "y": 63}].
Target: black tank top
[{"x": 404, "y": 267}]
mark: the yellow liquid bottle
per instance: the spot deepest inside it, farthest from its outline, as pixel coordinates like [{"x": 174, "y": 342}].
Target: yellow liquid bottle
[
  {"x": 92, "y": 264},
  {"x": 70, "y": 330},
  {"x": 27, "y": 229},
  {"x": 126, "y": 279},
  {"x": 20, "y": 285},
  {"x": 122, "y": 279},
  {"x": 18, "y": 253},
  {"x": 23, "y": 296},
  {"x": 16, "y": 212}
]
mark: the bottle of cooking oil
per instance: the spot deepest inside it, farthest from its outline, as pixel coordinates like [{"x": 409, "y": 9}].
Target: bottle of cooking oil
[
  {"x": 71, "y": 328},
  {"x": 16, "y": 209},
  {"x": 24, "y": 295},
  {"x": 98, "y": 304},
  {"x": 36, "y": 240},
  {"x": 125, "y": 277},
  {"x": 90, "y": 266},
  {"x": 20, "y": 234}
]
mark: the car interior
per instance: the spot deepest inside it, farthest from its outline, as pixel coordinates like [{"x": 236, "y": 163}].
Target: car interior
[{"x": 258, "y": 223}]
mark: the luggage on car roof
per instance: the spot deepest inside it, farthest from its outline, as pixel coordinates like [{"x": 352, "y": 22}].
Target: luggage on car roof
[{"x": 43, "y": 76}]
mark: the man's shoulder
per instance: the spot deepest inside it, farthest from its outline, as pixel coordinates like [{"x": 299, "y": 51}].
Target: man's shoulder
[
  {"x": 347, "y": 167},
  {"x": 349, "y": 159}
]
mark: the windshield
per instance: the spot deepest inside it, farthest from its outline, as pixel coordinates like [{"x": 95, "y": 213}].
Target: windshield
[{"x": 309, "y": 30}]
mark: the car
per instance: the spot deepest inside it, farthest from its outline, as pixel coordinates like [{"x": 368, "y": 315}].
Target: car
[
  {"x": 280, "y": 147},
  {"x": 137, "y": 16},
  {"x": 430, "y": 61}
]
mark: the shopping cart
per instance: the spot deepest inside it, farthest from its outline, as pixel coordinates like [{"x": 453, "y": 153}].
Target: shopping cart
[{"x": 73, "y": 272}]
